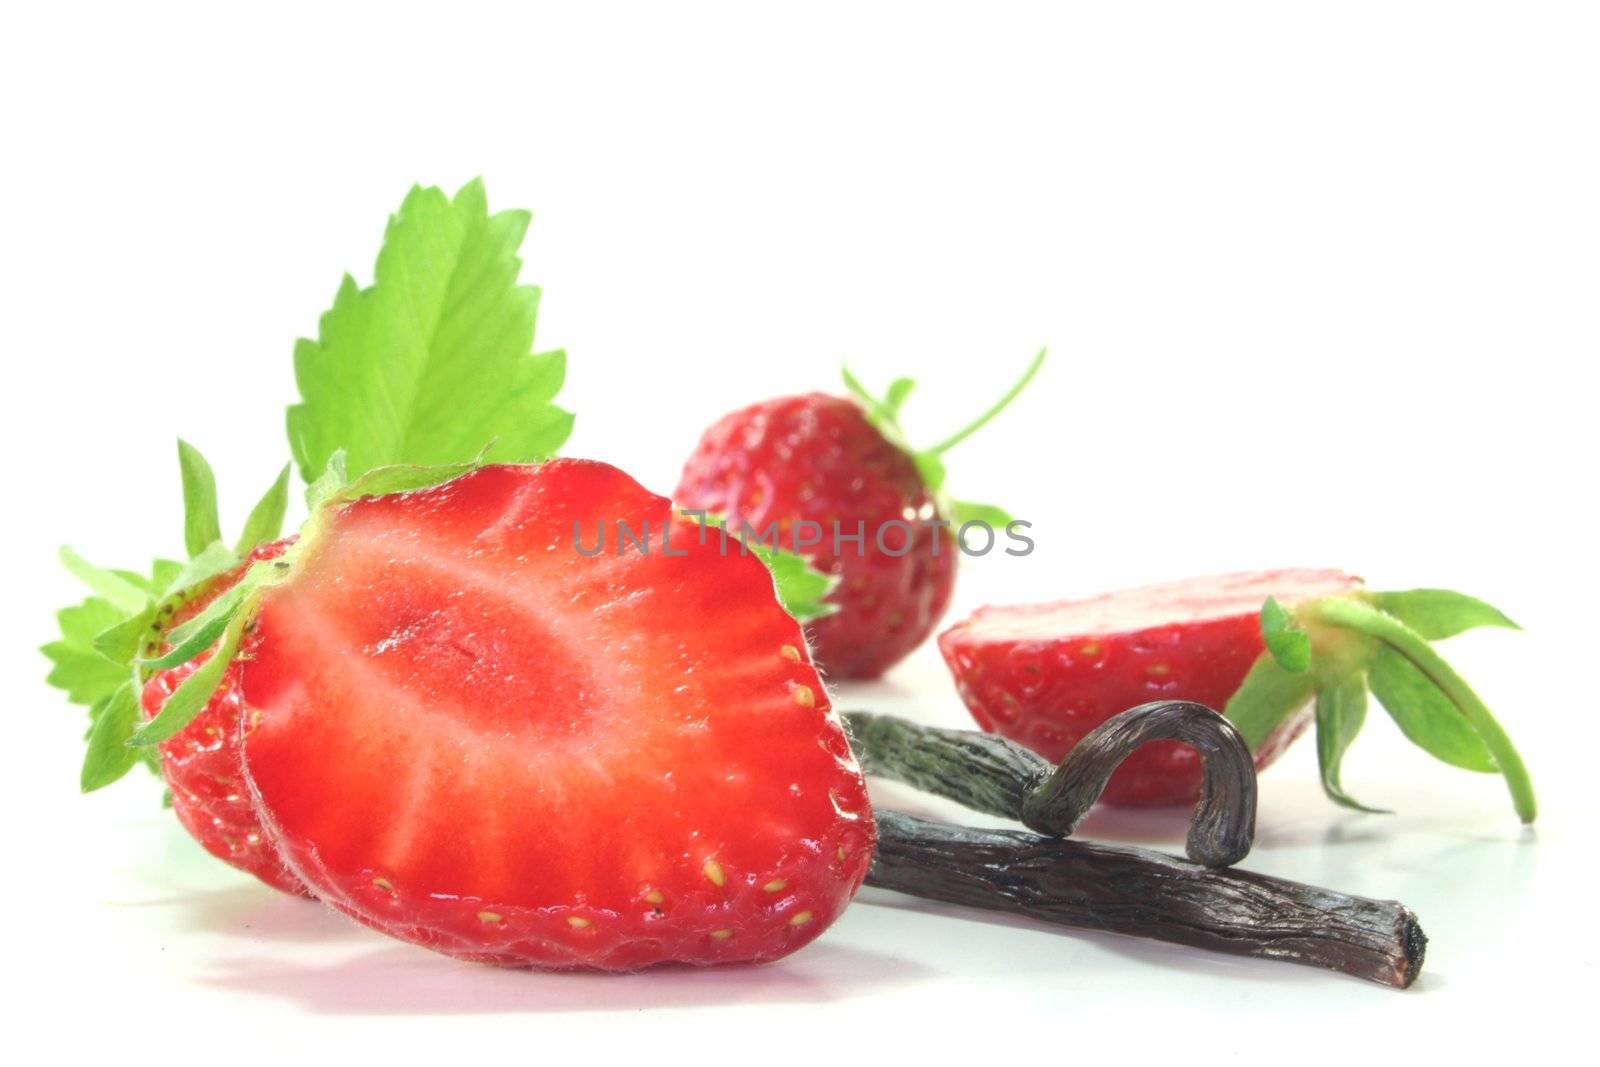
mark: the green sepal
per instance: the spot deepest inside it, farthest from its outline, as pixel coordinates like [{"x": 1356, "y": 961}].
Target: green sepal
[
  {"x": 895, "y": 397},
  {"x": 195, "y": 691},
  {"x": 1433, "y": 705},
  {"x": 266, "y": 518},
  {"x": 124, "y": 641},
  {"x": 1288, "y": 643},
  {"x": 214, "y": 560},
  {"x": 78, "y": 668},
  {"x": 333, "y": 479},
  {"x": 877, "y": 411},
  {"x": 1439, "y": 613},
  {"x": 108, "y": 756},
  {"x": 120, "y": 588},
  {"x": 201, "y": 632},
  {"x": 201, "y": 526},
  {"x": 884, "y": 414},
  {"x": 163, "y": 573},
  {"x": 407, "y": 478},
  {"x": 1341, "y": 712},
  {"x": 966, "y": 511},
  {"x": 930, "y": 468},
  {"x": 1425, "y": 714},
  {"x": 1266, "y": 698},
  {"x": 801, "y": 588}
]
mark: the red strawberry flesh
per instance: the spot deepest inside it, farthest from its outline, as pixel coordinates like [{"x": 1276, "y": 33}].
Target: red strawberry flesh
[
  {"x": 471, "y": 736},
  {"x": 1045, "y": 675}
]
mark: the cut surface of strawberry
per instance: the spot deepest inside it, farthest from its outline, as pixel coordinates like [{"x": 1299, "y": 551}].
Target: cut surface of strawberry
[
  {"x": 468, "y": 734},
  {"x": 1044, "y": 675}
]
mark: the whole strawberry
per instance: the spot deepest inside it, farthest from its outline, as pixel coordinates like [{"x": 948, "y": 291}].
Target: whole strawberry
[{"x": 832, "y": 480}]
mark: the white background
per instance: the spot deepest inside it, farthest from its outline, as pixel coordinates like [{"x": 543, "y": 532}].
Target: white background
[{"x": 1319, "y": 284}]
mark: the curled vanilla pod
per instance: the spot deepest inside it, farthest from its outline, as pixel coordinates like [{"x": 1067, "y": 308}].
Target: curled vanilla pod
[{"x": 1101, "y": 887}]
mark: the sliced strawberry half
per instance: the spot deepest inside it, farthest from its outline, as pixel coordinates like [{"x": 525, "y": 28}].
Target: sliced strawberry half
[
  {"x": 468, "y": 734},
  {"x": 1046, "y": 674}
]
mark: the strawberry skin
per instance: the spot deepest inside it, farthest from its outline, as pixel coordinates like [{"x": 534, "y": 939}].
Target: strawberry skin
[
  {"x": 471, "y": 736},
  {"x": 1044, "y": 675},
  {"x": 201, "y": 762},
  {"x": 818, "y": 458}
]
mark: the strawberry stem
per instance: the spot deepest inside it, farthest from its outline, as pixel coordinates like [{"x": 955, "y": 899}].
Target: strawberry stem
[
  {"x": 1365, "y": 619},
  {"x": 995, "y": 409}
]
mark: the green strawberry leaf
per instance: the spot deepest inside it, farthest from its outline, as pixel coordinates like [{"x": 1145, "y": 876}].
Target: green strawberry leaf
[
  {"x": 201, "y": 526},
  {"x": 434, "y": 360},
  {"x": 1266, "y": 698},
  {"x": 108, "y": 756},
  {"x": 1288, "y": 643},
  {"x": 1439, "y": 613},
  {"x": 266, "y": 518},
  {"x": 1341, "y": 712},
  {"x": 1425, "y": 714}
]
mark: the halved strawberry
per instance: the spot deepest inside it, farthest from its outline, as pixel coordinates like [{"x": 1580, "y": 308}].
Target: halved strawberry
[
  {"x": 468, "y": 734},
  {"x": 1263, "y": 648},
  {"x": 1046, "y": 674}
]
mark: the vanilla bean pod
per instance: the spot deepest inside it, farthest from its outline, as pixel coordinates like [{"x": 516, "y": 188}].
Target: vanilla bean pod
[
  {"x": 1102, "y": 887},
  {"x": 1147, "y": 894},
  {"x": 999, "y": 777}
]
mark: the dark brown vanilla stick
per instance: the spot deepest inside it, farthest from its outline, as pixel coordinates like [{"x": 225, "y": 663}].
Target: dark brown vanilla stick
[
  {"x": 1102, "y": 887},
  {"x": 990, "y": 774},
  {"x": 1147, "y": 894}
]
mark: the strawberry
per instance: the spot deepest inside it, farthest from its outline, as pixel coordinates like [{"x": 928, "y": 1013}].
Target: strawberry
[
  {"x": 818, "y": 458},
  {"x": 463, "y": 732},
  {"x": 834, "y": 480},
  {"x": 201, "y": 762},
  {"x": 1046, "y": 674}
]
